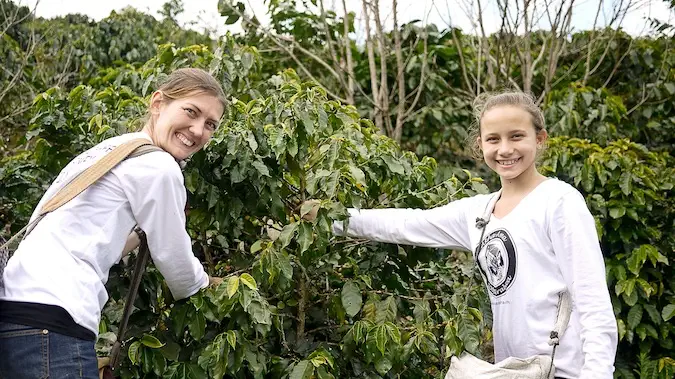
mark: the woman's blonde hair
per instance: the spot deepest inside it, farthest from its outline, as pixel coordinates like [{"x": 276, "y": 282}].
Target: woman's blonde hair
[
  {"x": 185, "y": 82},
  {"x": 487, "y": 101}
]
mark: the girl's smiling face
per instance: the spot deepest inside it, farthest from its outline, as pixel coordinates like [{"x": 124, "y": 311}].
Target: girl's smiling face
[{"x": 509, "y": 141}]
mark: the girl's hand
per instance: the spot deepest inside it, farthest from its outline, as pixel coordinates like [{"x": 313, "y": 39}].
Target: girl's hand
[{"x": 310, "y": 206}]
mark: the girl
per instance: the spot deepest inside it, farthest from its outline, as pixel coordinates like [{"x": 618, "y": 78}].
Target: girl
[
  {"x": 55, "y": 282},
  {"x": 539, "y": 241}
]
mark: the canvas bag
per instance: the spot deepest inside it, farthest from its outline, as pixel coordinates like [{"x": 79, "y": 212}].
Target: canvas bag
[{"x": 467, "y": 366}]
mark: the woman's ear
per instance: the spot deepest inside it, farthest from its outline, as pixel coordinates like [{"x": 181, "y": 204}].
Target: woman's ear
[{"x": 156, "y": 102}]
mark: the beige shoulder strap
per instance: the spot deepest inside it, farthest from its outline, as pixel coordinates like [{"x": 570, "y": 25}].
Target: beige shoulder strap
[
  {"x": 92, "y": 174},
  {"x": 88, "y": 177}
]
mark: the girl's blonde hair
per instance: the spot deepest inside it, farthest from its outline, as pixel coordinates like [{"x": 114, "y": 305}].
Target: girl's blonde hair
[
  {"x": 487, "y": 101},
  {"x": 185, "y": 82}
]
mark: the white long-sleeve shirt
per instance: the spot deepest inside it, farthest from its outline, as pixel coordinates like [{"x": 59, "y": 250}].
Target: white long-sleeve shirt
[
  {"x": 547, "y": 244},
  {"x": 65, "y": 260}
]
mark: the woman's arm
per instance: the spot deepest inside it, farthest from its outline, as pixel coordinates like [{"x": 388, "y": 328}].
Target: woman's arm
[
  {"x": 577, "y": 250},
  {"x": 154, "y": 186}
]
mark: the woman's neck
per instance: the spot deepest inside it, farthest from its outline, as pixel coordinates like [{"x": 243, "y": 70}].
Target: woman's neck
[{"x": 522, "y": 184}]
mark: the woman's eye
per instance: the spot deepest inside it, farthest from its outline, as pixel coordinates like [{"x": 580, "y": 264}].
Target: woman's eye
[
  {"x": 211, "y": 125},
  {"x": 190, "y": 111}
]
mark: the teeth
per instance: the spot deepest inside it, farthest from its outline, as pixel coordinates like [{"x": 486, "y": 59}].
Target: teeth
[
  {"x": 185, "y": 140},
  {"x": 506, "y": 163}
]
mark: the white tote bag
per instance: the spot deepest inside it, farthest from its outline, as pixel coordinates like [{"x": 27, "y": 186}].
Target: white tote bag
[{"x": 466, "y": 366}]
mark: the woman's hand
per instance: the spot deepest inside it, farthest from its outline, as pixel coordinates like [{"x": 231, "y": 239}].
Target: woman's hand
[
  {"x": 133, "y": 240},
  {"x": 215, "y": 281}
]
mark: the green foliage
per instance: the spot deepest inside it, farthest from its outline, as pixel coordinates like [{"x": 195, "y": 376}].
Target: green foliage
[
  {"x": 628, "y": 189},
  {"x": 296, "y": 301}
]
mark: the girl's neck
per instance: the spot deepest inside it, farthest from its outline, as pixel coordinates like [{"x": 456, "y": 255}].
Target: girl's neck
[{"x": 522, "y": 184}]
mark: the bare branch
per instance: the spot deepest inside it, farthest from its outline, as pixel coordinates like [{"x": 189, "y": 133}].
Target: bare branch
[
  {"x": 590, "y": 44},
  {"x": 420, "y": 87},
  {"x": 331, "y": 44},
  {"x": 384, "y": 89},
  {"x": 348, "y": 56},
  {"x": 400, "y": 77},
  {"x": 373, "y": 70}
]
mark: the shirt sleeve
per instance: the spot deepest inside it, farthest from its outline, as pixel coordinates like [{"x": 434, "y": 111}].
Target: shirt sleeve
[
  {"x": 154, "y": 186},
  {"x": 577, "y": 250},
  {"x": 441, "y": 227}
]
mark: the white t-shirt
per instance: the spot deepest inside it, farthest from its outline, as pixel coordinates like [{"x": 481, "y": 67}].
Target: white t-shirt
[
  {"x": 548, "y": 243},
  {"x": 65, "y": 260}
]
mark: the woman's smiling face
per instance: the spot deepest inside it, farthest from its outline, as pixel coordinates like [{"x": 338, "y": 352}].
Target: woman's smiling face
[{"x": 183, "y": 126}]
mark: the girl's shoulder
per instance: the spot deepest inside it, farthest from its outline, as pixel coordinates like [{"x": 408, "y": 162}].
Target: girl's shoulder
[
  {"x": 559, "y": 197},
  {"x": 557, "y": 190}
]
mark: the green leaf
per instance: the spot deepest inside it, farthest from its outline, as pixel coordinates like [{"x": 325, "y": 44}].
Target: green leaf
[
  {"x": 260, "y": 166},
  {"x": 393, "y": 164},
  {"x": 305, "y": 236},
  {"x": 653, "y": 313},
  {"x": 302, "y": 370},
  {"x": 358, "y": 175},
  {"x": 381, "y": 337},
  {"x": 351, "y": 298},
  {"x": 617, "y": 212},
  {"x": 386, "y": 310},
  {"x": 480, "y": 187},
  {"x": 383, "y": 365},
  {"x": 668, "y": 312},
  {"x": 151, "y": 341},
  {"x": 634, "y": 316},
  {"x": 394, "y": 333},
  {"x": 287, "y": 234},
  {"x": 232, "y": 338},
  {"x": 197, "y": 326},
  {"x": 256, "y": 247},
  {"x": 248, "y": 281},
  {"x": 134, "y": 352},
  {"x": 232, "y": 286}
]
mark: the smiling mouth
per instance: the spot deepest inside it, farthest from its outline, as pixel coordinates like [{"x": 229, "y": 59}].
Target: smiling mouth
[
  {"x": 186, "y": 141},
  {"x": 509, "y": 162}
]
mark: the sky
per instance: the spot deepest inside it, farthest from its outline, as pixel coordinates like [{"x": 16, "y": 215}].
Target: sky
[{"x": 200, "y": 14}]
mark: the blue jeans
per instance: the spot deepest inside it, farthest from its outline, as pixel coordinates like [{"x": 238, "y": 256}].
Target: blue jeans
[{"x": 31, "y": 353}]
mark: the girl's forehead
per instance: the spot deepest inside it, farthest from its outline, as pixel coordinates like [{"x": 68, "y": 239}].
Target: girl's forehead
[{"x": 505, "y": 117}]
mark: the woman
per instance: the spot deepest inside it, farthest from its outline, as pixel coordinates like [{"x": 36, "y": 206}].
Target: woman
[
  {"x": 55, "y": 282},
  {"x": 539, "y": 241}
]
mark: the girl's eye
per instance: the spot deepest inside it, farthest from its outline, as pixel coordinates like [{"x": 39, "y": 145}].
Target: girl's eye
[
  {"x": 491, "y": 139},
  {"x": 211, "y": 125},
  {"x": 518, "y": 135},
  {"x": 190, "y": 111}
]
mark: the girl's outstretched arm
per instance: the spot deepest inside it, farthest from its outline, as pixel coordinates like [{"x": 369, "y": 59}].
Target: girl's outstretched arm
[{"x": 442, "y": 227}]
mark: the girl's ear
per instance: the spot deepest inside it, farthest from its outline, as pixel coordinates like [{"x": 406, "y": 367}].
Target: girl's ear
[
  {"x": 156, "y": 102},
  {"x": 542, "y": 136}
]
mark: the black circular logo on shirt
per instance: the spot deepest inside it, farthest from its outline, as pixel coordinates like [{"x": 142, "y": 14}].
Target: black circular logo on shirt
[{"x": 497, "y": 261}]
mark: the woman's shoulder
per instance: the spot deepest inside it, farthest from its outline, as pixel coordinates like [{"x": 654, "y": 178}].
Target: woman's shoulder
[{"x": 154, "y": 163}]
